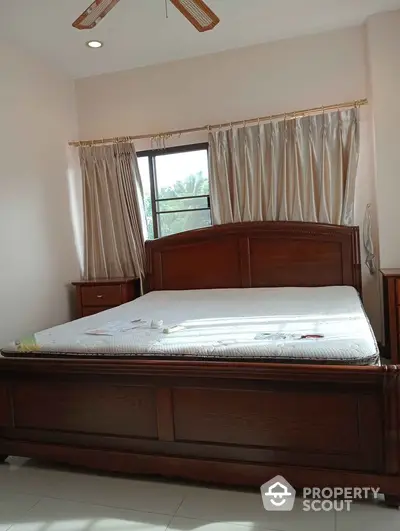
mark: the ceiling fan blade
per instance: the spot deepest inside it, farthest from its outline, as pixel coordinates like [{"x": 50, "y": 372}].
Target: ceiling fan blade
[
  {"x": 198, "y": 13},
  {"x": 94, "y": 14}
]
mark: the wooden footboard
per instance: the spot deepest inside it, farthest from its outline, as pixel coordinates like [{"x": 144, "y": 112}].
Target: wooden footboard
[{"x": 216, "y": 422}]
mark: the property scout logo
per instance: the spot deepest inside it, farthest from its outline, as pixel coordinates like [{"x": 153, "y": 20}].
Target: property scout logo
[{"x": 279, "y": 495}]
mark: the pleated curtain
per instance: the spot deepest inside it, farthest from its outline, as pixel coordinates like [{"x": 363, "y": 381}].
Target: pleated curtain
[
  {"x": 113, "y": 212},
  {"x": 301, "y": 169}
]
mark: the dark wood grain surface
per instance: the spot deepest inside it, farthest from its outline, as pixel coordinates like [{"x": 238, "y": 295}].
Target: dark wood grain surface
[
  {"x": 221, "y": 422},
  {"x": 259, "y": 254},
  {"x": 94, "y": 296},
  {"x": 391, "y": 306}
]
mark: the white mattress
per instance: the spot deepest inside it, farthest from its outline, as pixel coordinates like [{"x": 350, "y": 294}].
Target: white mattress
[{"x": 221, "y": 324}]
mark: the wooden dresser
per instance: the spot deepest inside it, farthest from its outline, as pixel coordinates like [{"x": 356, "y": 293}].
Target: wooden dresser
[
  {"x": 94, "y": 296},
  {"x": 391, "y": 301}
]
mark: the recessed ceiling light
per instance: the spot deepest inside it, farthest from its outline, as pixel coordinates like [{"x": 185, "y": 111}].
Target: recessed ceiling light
[{"x": 94, "y": 44}]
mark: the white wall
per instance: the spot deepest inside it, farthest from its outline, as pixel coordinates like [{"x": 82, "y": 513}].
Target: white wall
[
  {"x": 233, "y": 85},
  {"x": 384, "y": 68},
  {"x": 38, "y": 258}
]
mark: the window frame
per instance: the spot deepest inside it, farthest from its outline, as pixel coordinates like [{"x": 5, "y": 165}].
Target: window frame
[{"x": 151, "y": 154}]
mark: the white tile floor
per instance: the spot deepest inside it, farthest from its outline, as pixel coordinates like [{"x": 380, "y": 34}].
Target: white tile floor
[{"x": 37, "y": 497}]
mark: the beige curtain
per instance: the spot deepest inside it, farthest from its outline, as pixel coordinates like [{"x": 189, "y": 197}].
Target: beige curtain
[
  {"x": 370, "y": 260},
  {"x": 113, "y": 212},
  {"x": 298, "y": 170}
]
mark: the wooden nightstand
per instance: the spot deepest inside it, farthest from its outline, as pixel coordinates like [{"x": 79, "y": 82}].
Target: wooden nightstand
[
  {"x": 94, "y": 296},
  {"x": 391, "y": 301}
]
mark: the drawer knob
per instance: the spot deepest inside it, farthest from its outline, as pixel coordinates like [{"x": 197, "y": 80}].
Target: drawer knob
[{"x": 99, "y": 296}]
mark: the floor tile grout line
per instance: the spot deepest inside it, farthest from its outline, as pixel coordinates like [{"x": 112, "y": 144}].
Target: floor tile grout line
[
  {"x": 169, "y": 523},
  {"x": 107, "y": 506},
  {"x": 73, "y": 500},
  {"x": 176, "y": 515},
  {"x": 236, "y": 525},
  {"x": 172, "y": 516},
  {"x": 26, "y": 512},
  {"x": 185, "y": 495},
  {"x": 207, "y": 521},
  {"x": 34, "y": 505}
]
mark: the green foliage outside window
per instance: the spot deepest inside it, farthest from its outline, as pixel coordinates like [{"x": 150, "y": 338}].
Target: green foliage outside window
[{"x": 173, "y": 222}]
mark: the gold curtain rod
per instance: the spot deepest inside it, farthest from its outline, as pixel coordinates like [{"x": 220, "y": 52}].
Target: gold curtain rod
[{"x": 168, "y": 134}]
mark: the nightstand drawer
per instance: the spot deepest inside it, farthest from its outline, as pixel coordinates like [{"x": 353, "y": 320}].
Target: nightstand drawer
[
  {"x": 94, "y": 296},
  {"x": 391, "y": 306},
  {"x": 101, "y": 295}
]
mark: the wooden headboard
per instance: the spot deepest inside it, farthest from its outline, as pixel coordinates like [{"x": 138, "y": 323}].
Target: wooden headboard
[{"x": 258, "y": 254}]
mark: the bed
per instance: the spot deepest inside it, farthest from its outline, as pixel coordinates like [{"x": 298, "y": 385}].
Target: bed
[
  {"x": 219, "y": 415},
  {"x": 282, "y": 325}
]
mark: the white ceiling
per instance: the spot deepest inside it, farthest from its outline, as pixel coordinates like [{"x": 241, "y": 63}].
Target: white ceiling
[{"x": 137, "y": 32}]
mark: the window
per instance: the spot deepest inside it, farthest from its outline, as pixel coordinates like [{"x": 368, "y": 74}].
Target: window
[{"x": 176, "y": 189}]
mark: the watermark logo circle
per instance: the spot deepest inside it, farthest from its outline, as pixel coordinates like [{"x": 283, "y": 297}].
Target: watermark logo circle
[{"x": 278, "y": 494}]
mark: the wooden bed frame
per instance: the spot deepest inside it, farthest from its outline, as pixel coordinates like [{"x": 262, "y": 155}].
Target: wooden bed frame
[{"x": 221, "y": 422}]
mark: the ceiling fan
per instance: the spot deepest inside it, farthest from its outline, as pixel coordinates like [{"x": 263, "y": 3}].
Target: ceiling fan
[{"x": 197, "y": 13}]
